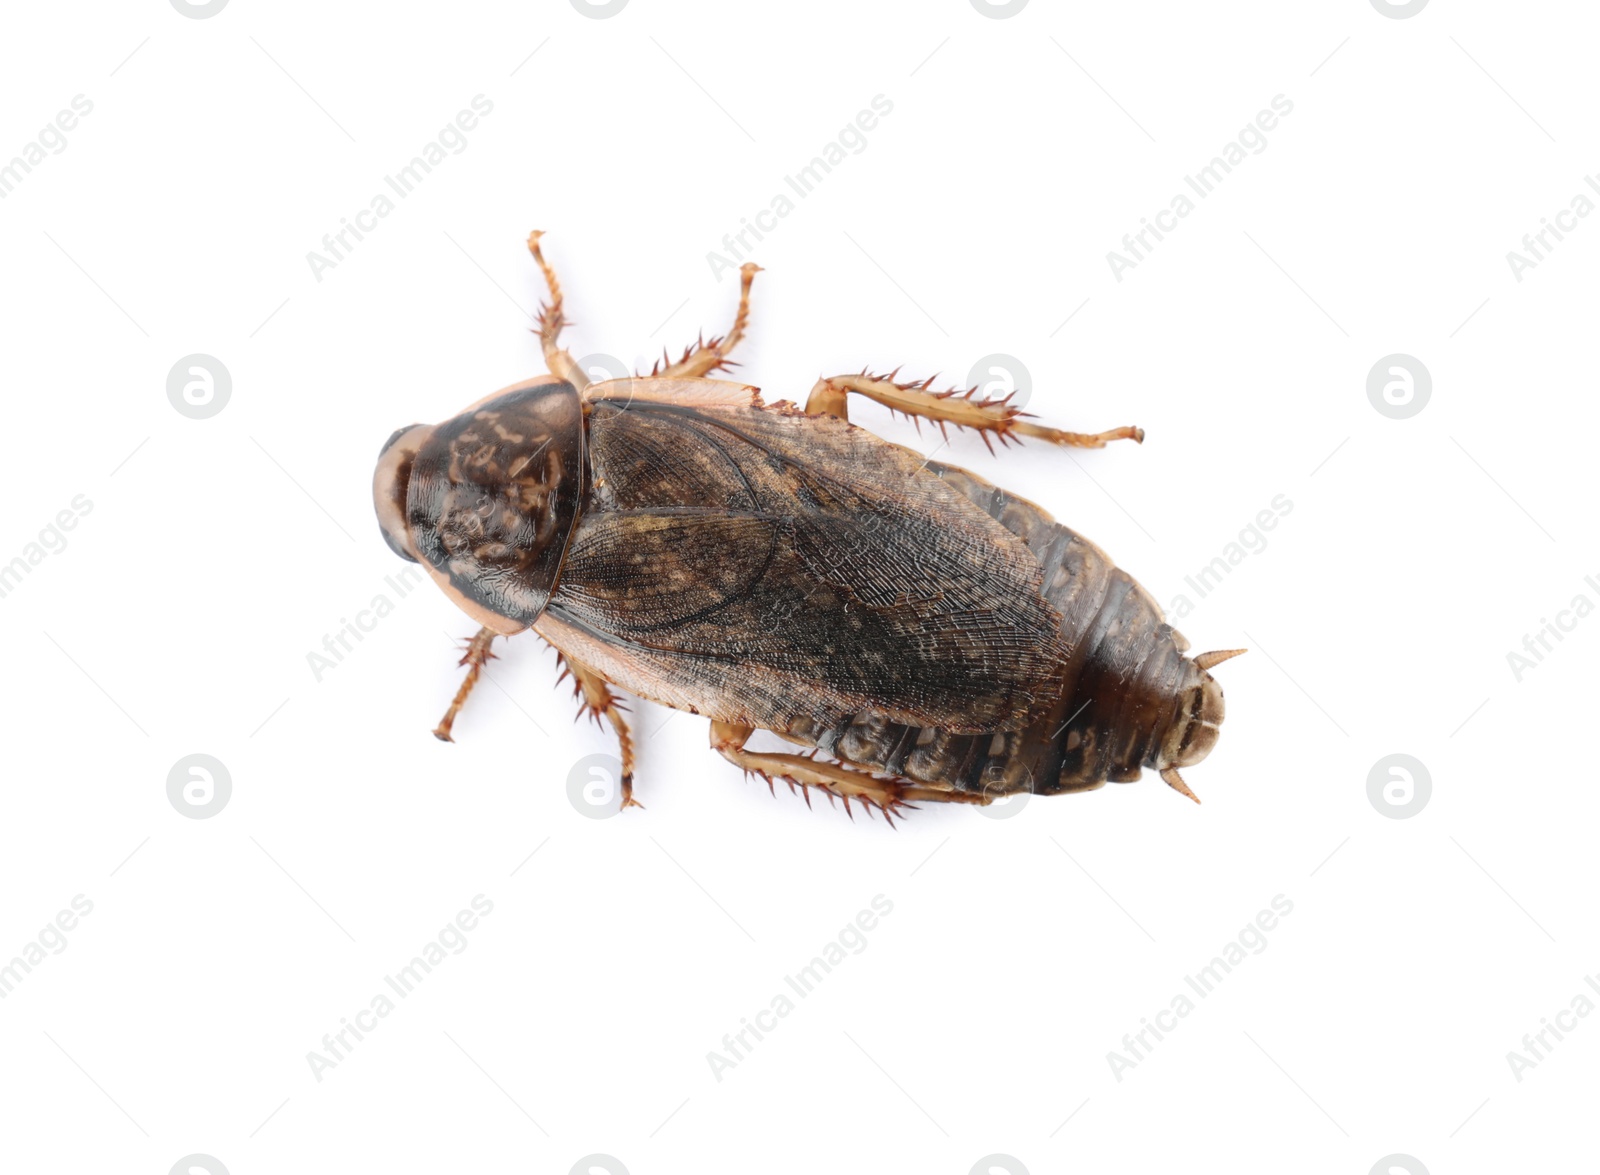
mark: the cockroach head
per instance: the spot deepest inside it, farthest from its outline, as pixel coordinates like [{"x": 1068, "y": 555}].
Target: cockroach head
[
  {"x": 389, "y": 482},
  {"x": 486, "y": 500}
]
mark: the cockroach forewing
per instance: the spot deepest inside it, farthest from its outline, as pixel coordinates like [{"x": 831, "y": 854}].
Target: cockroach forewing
[{"x": 764, "y": 566}]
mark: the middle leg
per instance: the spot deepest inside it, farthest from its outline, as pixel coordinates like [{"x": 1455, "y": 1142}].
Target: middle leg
[
  {"x": 596, "y": 700},
  {"x": 704, "y": 358}
]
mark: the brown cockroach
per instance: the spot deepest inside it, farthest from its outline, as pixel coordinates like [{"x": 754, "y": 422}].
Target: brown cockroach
[{"x": 777, "y": 568}]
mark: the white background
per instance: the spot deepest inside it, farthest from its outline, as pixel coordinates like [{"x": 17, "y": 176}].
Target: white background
[{"x": 977, "y": 1021}]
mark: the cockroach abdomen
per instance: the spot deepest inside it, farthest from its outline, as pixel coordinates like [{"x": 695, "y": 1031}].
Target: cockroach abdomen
[{"x": 1129, "y": 699}]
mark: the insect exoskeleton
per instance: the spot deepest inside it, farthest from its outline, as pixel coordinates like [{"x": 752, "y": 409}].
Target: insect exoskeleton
[
  {"x": 779, "y": 569},
  {"x": 487, "y": 500}
]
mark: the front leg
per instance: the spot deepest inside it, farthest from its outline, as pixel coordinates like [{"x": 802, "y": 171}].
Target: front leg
[
  {"x": 988, "y": 417},
  {"x": 476, "y": 656},
  {"x": 552, "y": 318}
]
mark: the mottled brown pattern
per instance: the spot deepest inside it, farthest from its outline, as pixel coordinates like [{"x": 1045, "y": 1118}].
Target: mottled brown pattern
[{"x": 493, "y": 495}]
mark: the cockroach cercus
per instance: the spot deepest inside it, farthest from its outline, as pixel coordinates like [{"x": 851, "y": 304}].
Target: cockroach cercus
[{"x": 925, "y": 634}]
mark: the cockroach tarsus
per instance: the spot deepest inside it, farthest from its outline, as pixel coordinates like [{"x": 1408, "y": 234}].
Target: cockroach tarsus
[{"x": 922, "y": 633}]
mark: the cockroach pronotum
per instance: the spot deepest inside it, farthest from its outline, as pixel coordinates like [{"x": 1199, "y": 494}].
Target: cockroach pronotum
[{"x": 778, "y": 568}]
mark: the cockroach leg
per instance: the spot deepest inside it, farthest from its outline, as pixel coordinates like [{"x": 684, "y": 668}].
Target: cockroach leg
[
  {"x": 989, "y": 417},
  {"x": 847, "y": 783},
  {"x": 946, "y": 795},
  {"x": 552, "y": 318},
  {"x": 704, "y": 358},
  {"x": 596, "y": 700},
  {"x": 475, "y": 657},
  {"x": 828, "y": 399}
]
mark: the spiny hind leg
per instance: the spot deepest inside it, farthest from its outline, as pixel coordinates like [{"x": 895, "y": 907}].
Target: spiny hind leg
[
  {"x": 844, "y": 780},
  {"x": 990, "y": 417},
  {"x": 552, "y": 318},
  {"x": 704, "y": 358},
  {"x": 848, "y": 783},
  {"x": 596, "y": 700},
  {"x": 476, "y": 656}
]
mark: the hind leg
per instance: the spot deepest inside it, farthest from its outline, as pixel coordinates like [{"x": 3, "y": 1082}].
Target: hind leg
[
  {"x": 848, "y": 783},
  {"x": 889, "y": 795},
  {"x": 988, "y": 417}
]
